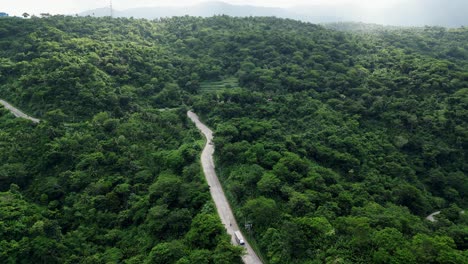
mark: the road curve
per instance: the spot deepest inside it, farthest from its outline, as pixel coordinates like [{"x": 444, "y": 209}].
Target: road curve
[
  {"x": 432, "y": 219},
  {"x": 15, "y": 111},
  {"x": 431, "y": 216},
  {"x": 216, "y": 190}
]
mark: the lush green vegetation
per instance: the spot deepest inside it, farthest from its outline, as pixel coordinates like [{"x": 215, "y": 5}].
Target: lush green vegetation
[
  {"x": 335, "y": 147},
  {"x": 218, "y": 86},
  {"x": 105, "y": 177}
]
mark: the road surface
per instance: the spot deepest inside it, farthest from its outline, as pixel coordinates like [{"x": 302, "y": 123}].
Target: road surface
[
  {"x": 432, "y": 219},
  {"x": 17, "y": 112},
  {"x": 431, "y": 216},
  {"x": 216, "y": 190}
]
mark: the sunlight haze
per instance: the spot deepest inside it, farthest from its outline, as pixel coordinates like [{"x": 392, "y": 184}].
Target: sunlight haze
[
  {"x": 446, "y": 13},
  {"x": 18, "y": 7}
]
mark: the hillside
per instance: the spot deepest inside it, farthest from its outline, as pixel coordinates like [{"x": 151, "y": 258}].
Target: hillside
[{"x": 332, "y": 144}]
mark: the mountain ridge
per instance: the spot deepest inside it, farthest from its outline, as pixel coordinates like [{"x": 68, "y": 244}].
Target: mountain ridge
[{"x": 413, "y": 13}]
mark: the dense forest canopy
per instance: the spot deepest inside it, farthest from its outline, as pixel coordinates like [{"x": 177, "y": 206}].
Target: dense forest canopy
[{"x": 333, "y": 143}]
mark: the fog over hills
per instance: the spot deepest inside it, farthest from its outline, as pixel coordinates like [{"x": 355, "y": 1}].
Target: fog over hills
[{"x": 448, "y": 13}]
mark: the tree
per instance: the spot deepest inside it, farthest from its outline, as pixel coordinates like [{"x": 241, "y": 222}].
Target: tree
[
  {"x": 411, "y": 197},
  {"x": 201, "y": 256},
  {"x": 205, "y": 232},
  {"x": 272, "y": 242},
  {"x": 261, "y": 212},
  {"x": 166, "y": 188},
  {"x": 269, "y": 184},
  {"x": 226, "y": 253},
  {"x": 166, "y": 253},
  {"x": 291, "y": 167},
  {"x": 437, "y": 249},
  {"x": 390, "y": 244}
]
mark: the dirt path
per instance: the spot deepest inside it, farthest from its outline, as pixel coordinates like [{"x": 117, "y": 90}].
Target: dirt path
[
  {"x": 15, "y": 111},
  {"x": 216, "y": 190}
]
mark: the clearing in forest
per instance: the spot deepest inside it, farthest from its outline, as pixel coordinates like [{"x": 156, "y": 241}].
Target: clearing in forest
[{"x": 219, "y": 86}]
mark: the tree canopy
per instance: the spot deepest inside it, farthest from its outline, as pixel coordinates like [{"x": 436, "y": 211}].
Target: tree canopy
[{"x": 332, "y": 143}]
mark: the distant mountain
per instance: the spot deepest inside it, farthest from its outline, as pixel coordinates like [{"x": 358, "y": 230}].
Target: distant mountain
[
  {"x": 448, "y": 13},
  {"x": 100, "y": 12},
  {"x": 206, "y": 9}
]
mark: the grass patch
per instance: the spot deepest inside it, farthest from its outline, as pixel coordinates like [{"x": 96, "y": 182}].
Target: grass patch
[{"x": 219, "y": 86}]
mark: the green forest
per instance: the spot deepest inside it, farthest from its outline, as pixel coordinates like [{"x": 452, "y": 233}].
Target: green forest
[{"x": 333, "y": 142}]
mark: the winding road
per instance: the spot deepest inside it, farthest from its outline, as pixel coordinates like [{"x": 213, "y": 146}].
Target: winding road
[
  {"x": 432, "y": 219},
  {"x": 18, "y": 113},
  {"x": 431, "y": 216},
  {"x": 216, "y": 190}
]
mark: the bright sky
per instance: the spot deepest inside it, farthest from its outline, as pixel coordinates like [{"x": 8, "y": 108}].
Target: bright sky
[{"x": 18, "y": 7}]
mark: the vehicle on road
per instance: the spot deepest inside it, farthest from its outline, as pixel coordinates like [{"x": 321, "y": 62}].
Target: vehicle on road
[{"x": 239, "y": 238}]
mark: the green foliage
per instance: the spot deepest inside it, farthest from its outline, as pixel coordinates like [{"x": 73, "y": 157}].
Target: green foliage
[
  {"x": 205, "y": 232},
  {"x": 166, "y": 253},
  {"x": 218, "y": 86},
  {"x": 334, "y": 145},
  {"x": 105, "y": 190},
  {"x": 364, "y": 128},
  {"x": 261, "y": 211}
]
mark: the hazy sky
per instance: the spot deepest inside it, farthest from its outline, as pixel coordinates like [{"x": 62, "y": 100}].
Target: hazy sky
[{"x": 18, "y": 7}]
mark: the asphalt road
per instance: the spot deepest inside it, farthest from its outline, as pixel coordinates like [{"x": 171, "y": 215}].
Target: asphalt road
[
  {"x": 432, "y": 219},
  {"x": 15, "y": 111},
  {"x": 217, "y": 193},
  {"x": 431, "y": 216}
]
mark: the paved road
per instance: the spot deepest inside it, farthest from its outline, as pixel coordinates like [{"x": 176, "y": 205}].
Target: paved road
[
  {"x": 17, "y": 112},
  {"x": 216, "y": 190},
  {"x": 432, "y": 219},
  {"x": 431, "y": 216}
]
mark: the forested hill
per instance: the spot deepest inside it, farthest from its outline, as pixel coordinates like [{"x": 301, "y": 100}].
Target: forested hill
[{"x": 334, "y": 145}]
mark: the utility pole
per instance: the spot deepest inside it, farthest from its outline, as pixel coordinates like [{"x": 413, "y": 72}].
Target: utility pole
[
  {"x": 111, "y": 27},
  {"x": 111, "y": 10}
]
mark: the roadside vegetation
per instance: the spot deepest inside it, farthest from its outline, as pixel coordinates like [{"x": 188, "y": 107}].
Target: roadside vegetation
[{"x": 332, "y": 144}]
